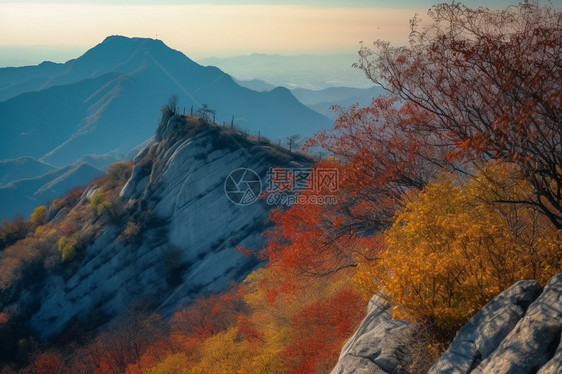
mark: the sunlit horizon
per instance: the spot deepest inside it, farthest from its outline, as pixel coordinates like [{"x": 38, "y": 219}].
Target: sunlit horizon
[
  {"x": 31, "y": 32},
  {"x": 204, "y": 30}
]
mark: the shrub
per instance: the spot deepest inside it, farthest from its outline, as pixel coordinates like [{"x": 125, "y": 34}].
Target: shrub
[
  {"x": 11, "y": 232},
  {"x": 117, "y": 175},
  {"x": 132, "y": 232},
  {"x": 39, "y": 214},
  {"x": 67, "y": 247},
  {"x": 105, "y": 204},
  {"x": 171, "y": 108},
  {"x": 452, "y": 249}
]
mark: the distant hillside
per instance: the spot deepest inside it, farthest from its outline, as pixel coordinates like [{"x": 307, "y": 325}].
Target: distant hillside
[
  {"x": 108, "y": 100},
  {"x": 322, "y": 100},
  {"x": 297, "y": 71},
  {"x": 21, "y": 196},
  {"x": 20, "y": 168},
  {"x": 255, "y": 84}
]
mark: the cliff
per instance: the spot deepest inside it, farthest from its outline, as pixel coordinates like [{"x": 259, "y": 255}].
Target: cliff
[{"x": 185, "y": 229}]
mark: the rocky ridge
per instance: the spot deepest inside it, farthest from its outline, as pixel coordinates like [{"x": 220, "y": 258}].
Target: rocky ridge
[
  {"x": 517, "y": 332},
  {"x": 188, "y": 249}
]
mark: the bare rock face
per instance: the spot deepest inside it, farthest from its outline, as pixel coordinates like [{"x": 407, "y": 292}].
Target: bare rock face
[
  {"x": 191, "y": 229},
  {"x": 380, "y": 344},
  {"x": 487, "y": 329},
  {"x": 517, "y": 332},
  {"x": 534, "y": 340}
]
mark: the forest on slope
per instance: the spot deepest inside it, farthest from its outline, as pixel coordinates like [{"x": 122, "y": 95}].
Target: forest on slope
[{"x": 450, "y": 190}]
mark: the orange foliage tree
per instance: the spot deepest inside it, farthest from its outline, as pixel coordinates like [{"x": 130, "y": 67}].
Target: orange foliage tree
[
  {"x": 451, "y": 249},
  {"x": 379, "y": 154}
]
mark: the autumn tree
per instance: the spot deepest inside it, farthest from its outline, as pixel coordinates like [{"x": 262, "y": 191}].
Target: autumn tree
[
  {"x": 12, "y": 231},
  {"x": 48, "y": 363},
  {"x": 209, "y": 316},
  {"x": 39, "y": 215},
  {"x": 319, "y": 331},
  {"x": 382, "y": 154},
  {"x": 379, "y": 154},
  {"x": 114, "y": 350},
  {"x": 459, "y": 103},
  {"x": 489, "y": 80},
  {"x": 116, "y": 175},
  {"x": 451, "y": 249}
]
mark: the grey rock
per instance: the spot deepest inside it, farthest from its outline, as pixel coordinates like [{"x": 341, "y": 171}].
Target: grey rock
[
  {"x": 554, "y": 365},
  {"x": 178, "y": 183},
  {"x": 533, "y": 342},
  {"x": 380, "y": 344},
  {"x": 484, "y": 332},
  {"x": 518, "y": 332}
]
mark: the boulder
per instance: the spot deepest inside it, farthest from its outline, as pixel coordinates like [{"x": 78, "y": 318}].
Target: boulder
[
  {"x": 517, "y": 332},
  {"x": 485, "y": 331},
  {"x": 380, "y": 344},
  {"x": 534, "y": 340}
]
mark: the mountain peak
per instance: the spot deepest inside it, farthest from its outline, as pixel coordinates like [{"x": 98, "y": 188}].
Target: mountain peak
[
  {"x": 177, "y": 196},
  {"x": 121, "y": 46},
  {"x": 121, "y": 54},
  {"x": 112, "y": 39}
]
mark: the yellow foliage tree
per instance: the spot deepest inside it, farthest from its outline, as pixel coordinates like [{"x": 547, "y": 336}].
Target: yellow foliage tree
[
  {"x": 39, "y": 214},
  {"x": 453, "y": 247},
  {"x": 67, "y": 247},
  {"x": 173, "y": 364},
  {"x": 224, "y": 353}
]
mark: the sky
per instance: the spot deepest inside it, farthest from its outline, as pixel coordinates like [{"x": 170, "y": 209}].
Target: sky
[{"x": 33, "y": 31}]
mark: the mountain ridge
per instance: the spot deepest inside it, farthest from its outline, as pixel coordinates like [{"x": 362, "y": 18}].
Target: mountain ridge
[
  {"x": 175, "y": 196},
  {"x": 106, "y": 102},
  {"x": 148, "y": 73}
]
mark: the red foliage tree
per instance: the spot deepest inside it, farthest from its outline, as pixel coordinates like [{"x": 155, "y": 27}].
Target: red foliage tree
[
  {"x": 476, "y": 85},
  {"x": 319, "y": 332},
  {"x": 48, "y": 363},
  {"x": 490, "y": 82},
  {"x": 379, "y": 153},
  {"x": 209, "y": 316}
]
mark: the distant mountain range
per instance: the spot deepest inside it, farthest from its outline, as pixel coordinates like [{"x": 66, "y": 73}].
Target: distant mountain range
[
  {"x": 106, "y": 102},
  {"x": 312, "y": 72},
  {"x": 72, "y": 120},
  {"x": 21, "y": 196},
  {"x": 322, "y": 100}
]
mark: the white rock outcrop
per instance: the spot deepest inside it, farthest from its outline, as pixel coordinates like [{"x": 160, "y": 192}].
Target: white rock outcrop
[
  {"x": 179, "y": 180},
  {"x": 379, "y": 345},
  {"x": 517, "y": 332},
  {"x": 485, "y": 331}
]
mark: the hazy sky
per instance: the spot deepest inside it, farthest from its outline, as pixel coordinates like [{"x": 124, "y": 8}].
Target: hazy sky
[{"x": 58, "y": 30}]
